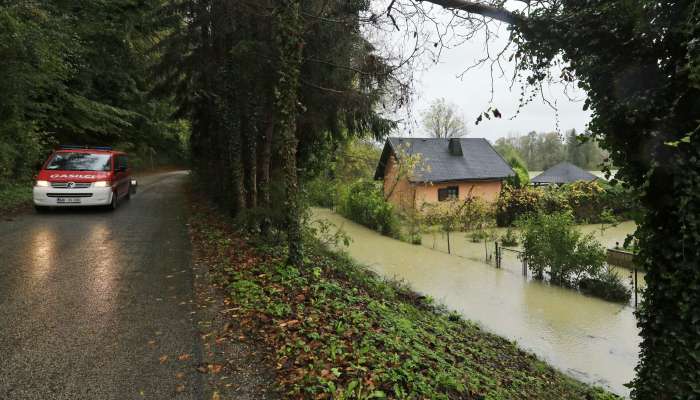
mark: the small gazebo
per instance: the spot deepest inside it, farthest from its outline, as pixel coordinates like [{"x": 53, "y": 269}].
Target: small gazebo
[{"x": 561, "y": 174}]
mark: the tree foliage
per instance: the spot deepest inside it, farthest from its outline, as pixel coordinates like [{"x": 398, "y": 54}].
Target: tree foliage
[
  {"x": 443, "y": 120},
  {"x": 639, "y": 63},
  {"x": 272, "y": 88},
  {"x": 78, "y": 73},
  {"x": 554, "y": 249},
  {"x": 539, "y": 151}
]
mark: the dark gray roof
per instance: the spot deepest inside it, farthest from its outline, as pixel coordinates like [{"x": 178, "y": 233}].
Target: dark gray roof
[
  {"x": 564, "y": 172},
  {"x": 479, "y": 161}
]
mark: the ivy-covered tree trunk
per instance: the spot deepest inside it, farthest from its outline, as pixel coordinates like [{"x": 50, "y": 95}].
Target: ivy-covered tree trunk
[
  {"x": 669, "y": 318},
  {"x": 251, "y": 163},
  {"x": 232, "y": 120},
  {"x": 639, "y": 62},
  {"x": 264, "y": 161},
  {"x": 289, "y": 42}
]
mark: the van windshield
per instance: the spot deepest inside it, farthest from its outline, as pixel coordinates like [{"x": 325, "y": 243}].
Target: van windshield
[{"x": 79, "y": 162}]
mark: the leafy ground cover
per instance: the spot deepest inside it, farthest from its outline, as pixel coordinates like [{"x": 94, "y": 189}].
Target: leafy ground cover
[{"x": 335, "y": 330}]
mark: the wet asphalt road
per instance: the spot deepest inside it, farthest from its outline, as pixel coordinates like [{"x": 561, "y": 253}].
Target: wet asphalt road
[{"x": 90, "y": 301}]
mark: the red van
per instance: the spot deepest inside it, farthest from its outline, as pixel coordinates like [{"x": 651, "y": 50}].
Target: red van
[{"x": 83, "y": 176}]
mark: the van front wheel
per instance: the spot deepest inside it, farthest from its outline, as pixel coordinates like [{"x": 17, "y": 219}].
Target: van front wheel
[{"x": 115, "y": 202}]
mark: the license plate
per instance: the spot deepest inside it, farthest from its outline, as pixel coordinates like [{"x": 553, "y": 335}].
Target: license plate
[{"x": 62, "y": 200}]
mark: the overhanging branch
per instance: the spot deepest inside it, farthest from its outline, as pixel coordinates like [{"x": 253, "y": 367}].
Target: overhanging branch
[{"x": 497, "y": 13}]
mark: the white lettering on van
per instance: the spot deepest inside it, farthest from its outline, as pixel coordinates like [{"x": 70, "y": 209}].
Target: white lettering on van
[{"x": 72, "y": 176}]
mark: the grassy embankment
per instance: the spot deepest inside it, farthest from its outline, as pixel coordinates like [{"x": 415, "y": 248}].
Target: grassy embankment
[
  {"x": 335, "y": 330},
  {"x": 14, "y": 196}
]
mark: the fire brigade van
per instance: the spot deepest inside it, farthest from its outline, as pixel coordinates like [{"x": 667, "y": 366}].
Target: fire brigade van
[{"x": 83, "y": 176}]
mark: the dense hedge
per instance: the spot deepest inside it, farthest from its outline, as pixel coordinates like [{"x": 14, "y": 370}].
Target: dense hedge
[
  {"x": 588, "y": 202},
  {"x": 363, "y": 202}
]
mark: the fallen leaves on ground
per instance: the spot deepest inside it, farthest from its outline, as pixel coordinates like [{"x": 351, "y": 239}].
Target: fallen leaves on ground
[{"x": 336, "y": 330}]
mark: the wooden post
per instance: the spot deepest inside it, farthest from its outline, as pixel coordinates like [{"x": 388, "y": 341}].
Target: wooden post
[
  {"x": 448, "y": 243},
  {"x": 498, "y": 255},
  {"x": 524, "y": 267}
]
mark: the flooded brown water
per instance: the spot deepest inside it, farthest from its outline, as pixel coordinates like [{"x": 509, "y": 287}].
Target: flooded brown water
[
  {"x": 590, "y": 339},
  {"x": 461, "y": 245}
]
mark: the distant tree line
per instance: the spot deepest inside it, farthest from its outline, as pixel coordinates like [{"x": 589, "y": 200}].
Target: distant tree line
[
  {"x": 539, "y": 151},
  {"x": 79, "y": 73}
]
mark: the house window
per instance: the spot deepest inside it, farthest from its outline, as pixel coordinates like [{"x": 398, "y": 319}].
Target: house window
[{"x": 448, "y": 193}]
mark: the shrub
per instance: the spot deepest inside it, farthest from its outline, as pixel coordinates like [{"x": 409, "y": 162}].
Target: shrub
[
  {"x": 554, "y": 247},
  {"x": 458, "y": 215},
  {"x": 363, "y": 202},
  {"x": 509, "y": 238},
  {"x": 554, "y": 200},
  {"x": 521, "y": 177},
  {"x": 607, "y": 285},
  {"x": 586, "y": 201},
  {"x": 478, "y": 236},
  {"x": 322, "y": 192},
  {"x": 514, "y": 203},
  {"x": 622, "y": 202}
]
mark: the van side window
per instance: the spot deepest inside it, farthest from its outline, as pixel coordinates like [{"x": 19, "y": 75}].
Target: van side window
[{"x": 121, "y": 162}]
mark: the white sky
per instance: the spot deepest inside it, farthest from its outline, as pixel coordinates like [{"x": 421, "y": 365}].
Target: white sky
[{"x": 473, "y": 92}]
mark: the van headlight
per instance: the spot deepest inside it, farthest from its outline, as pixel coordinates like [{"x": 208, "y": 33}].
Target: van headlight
[
  {"x": 42, "y": 183},
  {"x": 102, "y": 184}
]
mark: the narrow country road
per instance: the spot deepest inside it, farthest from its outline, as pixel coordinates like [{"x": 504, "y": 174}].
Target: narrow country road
[{"x": 92, "y": 301}]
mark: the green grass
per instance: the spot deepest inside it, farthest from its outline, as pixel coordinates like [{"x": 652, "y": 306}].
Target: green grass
[
  {"x": 14, "y": 196},
  {"x": 336, "y": 330}
]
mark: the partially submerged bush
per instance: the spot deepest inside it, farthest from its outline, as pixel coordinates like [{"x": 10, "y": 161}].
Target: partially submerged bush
[
  {"x": 509, "y": 238},
  {"x": 556, "y": 250},
  {"x": 607, "y": 285}
]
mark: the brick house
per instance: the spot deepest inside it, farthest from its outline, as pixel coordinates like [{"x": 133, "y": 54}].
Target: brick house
[{"x": 450, "y": 169}]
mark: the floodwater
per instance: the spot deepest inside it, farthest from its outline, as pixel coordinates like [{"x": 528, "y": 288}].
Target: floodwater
[
  {"x": 461, "y": 245},
  {"x": 590, "y": 339}
]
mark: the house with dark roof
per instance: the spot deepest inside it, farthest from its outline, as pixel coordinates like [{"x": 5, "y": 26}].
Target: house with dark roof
[
  {"x": 561, "y": 174},
  {"x": 447, "y": 169}
]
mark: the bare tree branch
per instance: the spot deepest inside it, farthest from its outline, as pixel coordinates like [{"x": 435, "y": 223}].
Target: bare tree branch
[{"x": 489, "y": 11}]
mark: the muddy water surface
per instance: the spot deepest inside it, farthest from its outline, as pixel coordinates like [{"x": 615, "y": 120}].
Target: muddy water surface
[
  {"x": 462, "y": 245},
  {"x": 590, "y": 339}
]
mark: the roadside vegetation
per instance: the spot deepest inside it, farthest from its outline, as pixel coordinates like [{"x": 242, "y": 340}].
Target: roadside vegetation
[
  {"x": 270, "y": 88},
  {"x": 14, "y": 196},
  {"x": 337, "y": 331},
  {"x": 81, "y": 75}
]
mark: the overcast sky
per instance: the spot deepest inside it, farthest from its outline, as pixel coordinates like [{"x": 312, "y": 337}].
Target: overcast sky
[{"x": 473, "y": 91}]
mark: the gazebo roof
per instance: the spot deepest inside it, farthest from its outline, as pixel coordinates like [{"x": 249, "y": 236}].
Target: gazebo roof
[{"x": 562, "y": 173}]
